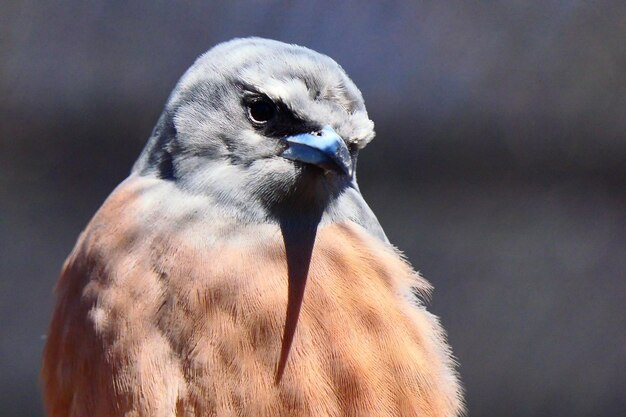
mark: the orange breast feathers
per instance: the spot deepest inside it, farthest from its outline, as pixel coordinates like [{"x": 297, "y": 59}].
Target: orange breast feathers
[{"x": 156, "y": 322}]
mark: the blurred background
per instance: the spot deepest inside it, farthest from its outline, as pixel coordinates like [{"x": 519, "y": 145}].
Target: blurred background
[{"x": 499, "y": 167}]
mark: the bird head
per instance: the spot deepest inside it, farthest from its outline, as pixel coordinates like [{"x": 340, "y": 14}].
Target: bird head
[{"x": 256, "y": 121}]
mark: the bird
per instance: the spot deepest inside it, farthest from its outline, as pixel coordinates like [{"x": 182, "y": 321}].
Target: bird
[{"x": 238, "y": 270}]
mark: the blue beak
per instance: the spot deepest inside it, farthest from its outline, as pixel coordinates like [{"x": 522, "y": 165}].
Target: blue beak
[{"x": 324, "y": 148}]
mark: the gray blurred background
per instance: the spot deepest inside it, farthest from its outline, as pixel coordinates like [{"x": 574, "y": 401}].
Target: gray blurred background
[{"x": 499, "y": 167}]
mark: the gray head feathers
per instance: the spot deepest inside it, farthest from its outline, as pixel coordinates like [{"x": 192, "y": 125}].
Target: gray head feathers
[
  {"x": 207, "y": 142},
  {"x": 312, "y": 85}
]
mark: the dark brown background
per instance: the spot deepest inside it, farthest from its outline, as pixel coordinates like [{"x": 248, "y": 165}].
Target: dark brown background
[{"x": 498, "y": 167}]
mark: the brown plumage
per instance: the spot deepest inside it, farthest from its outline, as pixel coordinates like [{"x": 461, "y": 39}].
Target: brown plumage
[
  {"x": 174, "y": 303},
  {"x": 144, "y": 326}
]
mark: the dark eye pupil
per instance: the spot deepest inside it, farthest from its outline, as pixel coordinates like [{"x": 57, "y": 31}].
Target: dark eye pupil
[{"x": 262, "y": 111}]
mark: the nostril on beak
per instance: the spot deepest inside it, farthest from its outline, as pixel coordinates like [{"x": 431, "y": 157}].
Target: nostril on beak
[{"x": 317, "y": 133}]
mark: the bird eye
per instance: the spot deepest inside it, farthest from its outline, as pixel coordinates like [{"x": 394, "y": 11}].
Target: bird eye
[{"x": 261, "y": 111}]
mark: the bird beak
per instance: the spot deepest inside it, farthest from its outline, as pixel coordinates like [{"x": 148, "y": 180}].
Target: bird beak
[{"x": 324, "y": 148}]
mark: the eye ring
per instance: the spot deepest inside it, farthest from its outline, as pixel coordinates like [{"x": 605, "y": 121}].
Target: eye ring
[{"x": 261, "y": 111}]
